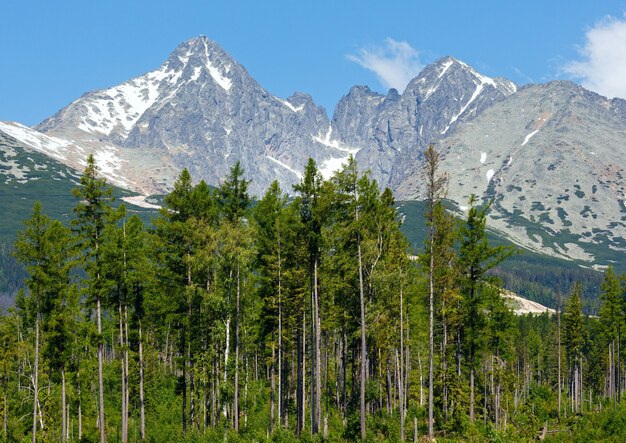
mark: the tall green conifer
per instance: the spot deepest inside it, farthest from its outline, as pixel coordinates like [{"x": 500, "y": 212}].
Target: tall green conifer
[{"x": 93, "y": 213}]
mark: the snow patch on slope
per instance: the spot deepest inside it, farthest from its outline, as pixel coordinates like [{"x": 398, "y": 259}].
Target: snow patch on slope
[
  {"x": 289, "y": 168},
  {"x": 529, "y": 136},
  {"x": 444, "y": 68},
  {"x": 483, "y": 79},
  {"x": 107, "y": 158},
  {"x": 329, "y": 166},
  {"x": 121, "y": 106},
  {"x": 290, "y": 106},
  {"x": 477, "y": 91},
  {"x": 220, "y": 79},
  {"x": 108, "y": 161},
  {"x": 196, "y": 74},
  {"x": 329, "y": 142},
  {"x": 490, "y": 174},
  {"x": 52, "y": 146}
]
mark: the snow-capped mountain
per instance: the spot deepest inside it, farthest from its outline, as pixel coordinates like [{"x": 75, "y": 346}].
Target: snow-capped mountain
[
  {"x": 203, "y": 111},
  {"x": 392, "y": 131},
  {"x": 550, "y": 156},
  {"x": 552, "y": 159}
]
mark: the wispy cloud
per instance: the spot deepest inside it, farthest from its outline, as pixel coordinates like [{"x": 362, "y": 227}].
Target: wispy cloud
[
  {"x": 602, "y": 67},
  {"x": 395, "y": 63}
]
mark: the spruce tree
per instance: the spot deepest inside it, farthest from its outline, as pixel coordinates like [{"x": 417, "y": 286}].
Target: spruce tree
[
  {"x": 435, "y": 192},
  {"x": 93, "y": 213},
  {"x": 233, "y": 204},
  {"x": 175, "y": 248},
  {"x": 44, "y": 247},
  {"x": 612, "y": 318},
  {"x": 270, "y": 238},
  {"x": 309, "y": 189},
  {"x": 575, "y": 336},
  {"x": 475, "y": 258}
]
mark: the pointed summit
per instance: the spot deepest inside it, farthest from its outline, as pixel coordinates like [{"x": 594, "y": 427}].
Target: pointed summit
[
  {"x": 199, "y": 54},
  {"x": 455, "y": 73},
  {"x": 200, "y": 46}
]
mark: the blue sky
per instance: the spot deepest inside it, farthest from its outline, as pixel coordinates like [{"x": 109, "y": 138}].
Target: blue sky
[{"x": 54, "y": 51}]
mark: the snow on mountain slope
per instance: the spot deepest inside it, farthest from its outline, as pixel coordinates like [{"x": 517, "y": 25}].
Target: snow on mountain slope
[
  {"x": 118, "y": 165},
  {"x": 393, "y": 130},
  {"x": 114, "y": 111},
  {"x": 552, "y": 160},
  {"x": 107, "y": 157},
  {"x": 202, "y": 110},
  {"x": 550, "y": 156}
]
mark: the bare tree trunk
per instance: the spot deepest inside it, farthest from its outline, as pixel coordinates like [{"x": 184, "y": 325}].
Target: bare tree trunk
[
  {"x": 36, "y": 375},
  {"x": 126, "y": 363},
  {"x": 363, "y": 343},
  {"x": 407, "y": 366},
  {"x": 313, "y": 349},
  {"x": 236, "y": 381},
  {"x": 619, "y": 368},
  {"x": 300, "y": 379},
  {"x": 318, "y": 370},
  {"x": 123, "y": 378},
  {"x": 558, "y": 331},
  {"x": 471, "y": 411},
  {"x": 303, "y": 392},
  {"x": 236, "y": 394},
  {"x": 184, "y": 380},
  {"x": 63, "y": 407},
  {"x": 435, "y": 187},
  {"x": 5, "y": 406},
  {"x": 272, "y": 391},
  {"x": 227, "y": 340},
  {"x": 280, "y": 335},
  {"x": 100, "y": 374},
  {"x": 431, "y": 335},
  {"x": 142, "y": 402},
  {"x": 419, "y": 362},
  {"x": 400, "y": 383},
  {"x": 80, "y": 406},
  {"x": 444, "y": 368},
  {"x": 5, "y": 423},
  {"x": 226, "y": 347},
  {"x": 401, "y": 367},
  {"x": 192, "y": 390}
]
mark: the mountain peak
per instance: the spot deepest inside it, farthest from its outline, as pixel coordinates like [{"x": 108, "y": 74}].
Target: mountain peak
[
  {"x": 446, "y": 60},
  {"x": 198, "y": 47},
  {"x": 449, "y": 70}
]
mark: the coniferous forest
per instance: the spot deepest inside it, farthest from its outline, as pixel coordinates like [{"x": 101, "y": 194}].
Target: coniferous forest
[{"x": 293, "y": 318}]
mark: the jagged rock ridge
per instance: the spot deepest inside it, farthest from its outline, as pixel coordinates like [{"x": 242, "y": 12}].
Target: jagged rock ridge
[
  {"x": 203, "y": 111},
  {"x": 550, "y": 156}
]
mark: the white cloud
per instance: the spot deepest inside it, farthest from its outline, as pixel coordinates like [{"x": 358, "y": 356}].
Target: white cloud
[
  {"x": 395, "y": 63},
  {"x": 603, "y": 65}
]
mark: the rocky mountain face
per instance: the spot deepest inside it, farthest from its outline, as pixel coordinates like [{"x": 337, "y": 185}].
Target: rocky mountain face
[
  {"x": 392, "y": 131},
  {"x": 203, "y": 111},
  {"x": 550, "y": 157}
]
